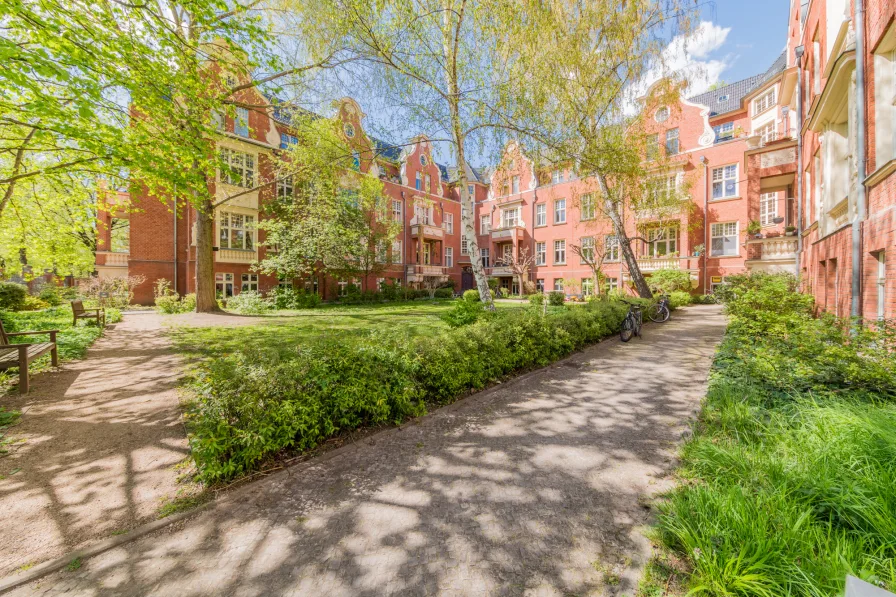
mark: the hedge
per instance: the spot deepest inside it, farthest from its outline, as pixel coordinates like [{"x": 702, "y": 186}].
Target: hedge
[{"x": 251, "y": 405}]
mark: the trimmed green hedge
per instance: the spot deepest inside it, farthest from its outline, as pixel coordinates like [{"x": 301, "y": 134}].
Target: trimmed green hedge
[{"x": 252, "y": 405}]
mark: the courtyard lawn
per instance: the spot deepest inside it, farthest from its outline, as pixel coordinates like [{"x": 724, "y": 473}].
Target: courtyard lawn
[{"x": 283, "y": 330}]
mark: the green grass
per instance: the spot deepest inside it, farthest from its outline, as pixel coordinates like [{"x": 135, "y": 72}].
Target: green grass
[
  {"x": 73, "y": 341},
  {"x": 284, "y": 330}
]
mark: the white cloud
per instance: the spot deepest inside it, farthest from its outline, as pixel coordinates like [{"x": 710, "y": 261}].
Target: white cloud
[{"x": 688, "y": 56}]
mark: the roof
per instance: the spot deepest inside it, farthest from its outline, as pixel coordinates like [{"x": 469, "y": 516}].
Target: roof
[
  {"x": 730, "y": 97},
  {"x": 473, "y": 174}
]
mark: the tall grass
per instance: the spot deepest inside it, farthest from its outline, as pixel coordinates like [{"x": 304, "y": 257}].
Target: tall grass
[{"x": 788, "y": 484}]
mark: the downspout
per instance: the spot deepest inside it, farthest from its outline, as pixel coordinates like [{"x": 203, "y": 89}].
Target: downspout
[
  {"x": 404, "y": 243},
  {"x": 533, "y": 276},
  {"x": 856, "y": 306},
  {"x": 175, "y": 238},
  {"x": 798, "y": 52},
  {"x": 705, "y": 163}
]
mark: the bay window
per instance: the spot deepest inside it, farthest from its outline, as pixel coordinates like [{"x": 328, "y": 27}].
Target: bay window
[
  {"x": 236, "y": 231},
  {"x": 662, "y": 241},
  {"x": 237, "y": 168}
]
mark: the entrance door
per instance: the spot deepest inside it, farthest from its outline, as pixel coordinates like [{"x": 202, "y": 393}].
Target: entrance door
[{"x": 466, "y": 279}]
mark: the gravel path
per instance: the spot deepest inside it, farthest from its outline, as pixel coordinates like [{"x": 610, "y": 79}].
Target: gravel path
[
  {"x": 535, "y": 487},
  {"x": 95, "y": 446}
]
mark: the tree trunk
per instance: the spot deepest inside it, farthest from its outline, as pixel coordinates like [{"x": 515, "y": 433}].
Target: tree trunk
[
  {"x": 625, "y": 245},
  {"x": 205, "y": 259}
]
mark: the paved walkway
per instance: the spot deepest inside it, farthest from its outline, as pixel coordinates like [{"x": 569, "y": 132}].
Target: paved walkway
[
  {"x": 533, "y": 487},
  {"x": 95, "y": 447}
]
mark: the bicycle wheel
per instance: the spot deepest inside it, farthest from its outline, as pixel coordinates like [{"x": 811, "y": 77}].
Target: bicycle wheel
[
  {"x": 628, "y": 328},
  {"x": 658, "y": 313}
]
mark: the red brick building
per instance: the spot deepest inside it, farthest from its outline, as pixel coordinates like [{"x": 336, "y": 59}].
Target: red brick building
[{"x": 775, "y": 153}]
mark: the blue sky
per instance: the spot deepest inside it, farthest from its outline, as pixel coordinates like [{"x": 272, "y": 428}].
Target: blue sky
[{"x": 741, "y": 38}]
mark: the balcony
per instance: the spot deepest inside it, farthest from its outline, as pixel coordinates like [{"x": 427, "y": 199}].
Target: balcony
[
  {"x": 509, "y": 233},
  {"x": 426, "y": 231},
  {"x": 651, "y": 264},
  {"x": 416, "y": 273},
  {"x": 775, "y": 254},
  {"x": 499, "y": 270},
  {"x": 236, "y": 255},
  {"x": 110, "y": 259}
]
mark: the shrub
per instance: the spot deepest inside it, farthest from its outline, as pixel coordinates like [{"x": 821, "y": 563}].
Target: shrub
[
  {"x": 471, "y": 295},
  {"x": 32, "y": 303},
  {"x": 167, "y": 301},
  {"x": 536, "y": 299},
  {"x": 555, "y": 298},
  {"x": 445, "y": 293},
  {"x": 12, "y": 296},
  {"x": 463, "y": 312},
  {"x": 51, "y": 295},
  {"x": 119, "y": 291},
  {"x": 704, "y": 299},
  {"x": 249, "y": 302},
  {"x": 291, "y": 298},
  {"x": 667, "y": 281},
  {"x": 679, "y": 298}
]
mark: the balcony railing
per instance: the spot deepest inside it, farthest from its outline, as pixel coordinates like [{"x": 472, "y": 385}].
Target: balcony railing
[
  {"x": 427, "y": 270},
  {"x": 776, "y": 248},
  {"x": 114, "y": 259},
  {"x": 427, "y": 231},
  {"x": 499, "y": 270},
  {"x": 509, "y": 232},
  {"x": 650, "y": 264}
]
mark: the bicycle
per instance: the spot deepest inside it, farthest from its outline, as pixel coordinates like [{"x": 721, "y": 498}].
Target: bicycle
[
  {"x": 631, "y": 325},
  {"x": 659, "y": 312}
]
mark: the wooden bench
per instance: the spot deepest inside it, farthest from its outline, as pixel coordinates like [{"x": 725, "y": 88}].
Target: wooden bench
[
  {"x": 79, "y": 312},
  {"x": 22, "y": 355}
]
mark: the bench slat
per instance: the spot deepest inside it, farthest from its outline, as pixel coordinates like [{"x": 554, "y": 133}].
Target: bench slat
[{"x": 9, "y": 355}]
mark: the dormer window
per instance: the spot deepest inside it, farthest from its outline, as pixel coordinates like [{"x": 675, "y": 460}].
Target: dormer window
[
  {"x": 723, "y": 99},
  {"x": 662, "y": 114},
  {"x": 764, "y": 102}
]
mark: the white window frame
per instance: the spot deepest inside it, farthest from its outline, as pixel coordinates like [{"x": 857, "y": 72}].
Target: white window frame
[
  {"x": 541, "y": 253},
  {"x": 396, "y": 251},
  {"x": 665, "y": 237},
  {"x": 764, "y": 102},
  {"x": 464, "y": 245},
  {"x": 241, "y": 123},
  {"x": 556, "y": 176},
  {"x": 449, "y": 256},
  {"x": 285, "y": 187},
  {"x": 588, "y": 211},
  {"x": 485, "y": 224},
  {"x": 558, "y": 284},
  {"x": 559, "y": 251},
  {"x": 673, "y": 135},
  {"x": 587, "y": 286},
  {"x": 515, "y": 184},
  {"x": 539, "y": 285},
  {"x": 449, "y": 223},
  {"x": 724, "y": 230},
  {"x": 485, "y": 256},
  {"x": 724, "y": 131},
  {"x": 510, "y": 217},
  {"x": 725, "y": 175},
  {"x": 396, "y": 210},
  {"x": 541, "y": 214},
  {"x": 612, "y": 247},
  {"x": 586, "y": 243},
  {"x": 471, "y": 190},
  {"x": 418, "y": 181},
  {"x": 248, "y": 282},
  {"x": 767, "y": 132},
  {"x": 233, "y": 225},
  {"x": 612, "y": 284},
  {"x": 881, "y": 284},
  {"x": 224, "y": 283},
  {"x": 560, "y": 211},
  {"x": 768, "y": 208},
  {"x": 241, "y": 171}
]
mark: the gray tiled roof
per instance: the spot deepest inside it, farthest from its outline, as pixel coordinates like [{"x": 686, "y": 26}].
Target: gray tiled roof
[{"x": 730, "y": 97}]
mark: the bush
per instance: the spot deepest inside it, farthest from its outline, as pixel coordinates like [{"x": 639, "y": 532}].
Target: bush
[
  {"x": 51, "y": 295},
  {"x": 119, "y": 291},
  {"x": 290, "y": 298},
  {"x": 471, "y": 295},
  {"x": 445, "y": 293},
  {"x": 556, "y": 298},
  {"x": 463, "y": 312},
  {"x": 704, "y": 299},
  {"x": 12, "y": 296},
  {"x": 667, "y": 281},
  {"x": 32, "y": 303},
  {"x": 679, "y": 298},
  {"x": 252, "y": 405},
  {"x": 167, "y": 301},
  {"x": 249, "y": 302},
  {"x": 536, "y": 299},
  {"x": 791, "y": 467}
]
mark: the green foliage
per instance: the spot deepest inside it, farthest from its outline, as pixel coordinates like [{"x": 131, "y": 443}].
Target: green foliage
[
  {"x": 249, "y": 302},
  {"x": 679, "y": 298},
  {"x": 556, "y": 298},
  {"x": 33, "y": 303},
  {"x": 464, "y": 312},
  {"x": 536, "y": 299},
  {"x": 668, "y": 280},
  {"x": 52, "y": 295},
  {"x": 167, "y": 301},
  {"x": 471, "y": 295},
  {"x": 12, "y": 295},
  {"x": 290, "y": 298},
  {"x": 257, "y": 401},
  {"x": 793, "y": 464},
  {"x": 705, "y": 299}
]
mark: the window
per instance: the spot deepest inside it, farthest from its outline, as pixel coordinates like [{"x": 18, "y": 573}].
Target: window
[
  {"x": 539, "y": 285},
  {"x": 464, "y": 248},
  {"x": 396, "y": 251},
  {"x": 818, "y": 185},
  {"x": 724, "y": 239},
  {"x": 449, "y": 223},
  {"x": 510, "y": 217},
  {"x": 449, "y": 256},
  {"x": 428, "y": 183},
  {"x": 423, "y": 160},
  {"x": 881, "y": 284},
  {"x": 241, "y": 122},
  {"x": 120, "y": 232},
  {"x": 560, "y": 211},
  {"x": 507, "y": 254},
  {"x": 396, "y": 211},
  {"x": 284, "y": 283},
  {"x": 724, "y": 131},
  {"x": 418, "y": 183},
  {"x": 665, "y": 188},
  {"x": 560, "y": 252},
  {"x": 470, "y": 190},
  {"x": 218, "y": 121},
  {"x": 287, "y": 140},
  {"x": 541, "y": 214},
  {"x": 224, "y": 284},
  {"x": 768, "y": 132},
  {"x": 249, "y": 282},
  {"x": 515, "y": 185},
  {"x": 671, "y": 141},
  {"x": 587, "y": 207},
  {"x": 816, "y": 67},
  {"x": 485, "y": 224},
  {"x": 768, "y": 208},
  {"x": 349, "y": 129},
  {"x": 558, "y": 285},
  {"x": 724, "y": 182},
  {"x": 484, "y": 256},
  {"x": 662, "y": 114},
  {"x": 587, "y": 286},
  {"x": 764, "y": 102},
  {"x": 541, "y": 253},
  {"x": 612, "y": 284},
  {"x": 284, "y": 187},
  {"x": 557, "y": 176},
  {"x": 612, "y": 247},
  {"x": 587, "y": 249},
  {"x": 653, "y": 146},
  {"x": 423, "y": 214},
  {"x": 382, "y": 255},
  {"x": 236, "y": 231},
  {"x": 505, "y": 190},
  {"x": 723, "y": 99},
  {"x": 662, "y": 241},
  {"x": 356, "y": 161},
  {"x": 237, "y": 168}
]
